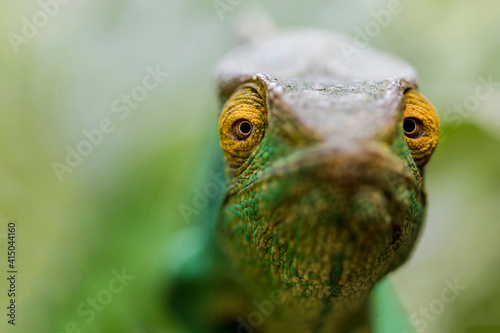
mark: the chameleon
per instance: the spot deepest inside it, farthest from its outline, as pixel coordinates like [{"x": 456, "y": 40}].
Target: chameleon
[{"x": 323, "y": 152}]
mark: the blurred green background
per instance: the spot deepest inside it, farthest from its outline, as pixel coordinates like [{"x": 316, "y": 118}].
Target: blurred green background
[{"x": 119, "y": 208}]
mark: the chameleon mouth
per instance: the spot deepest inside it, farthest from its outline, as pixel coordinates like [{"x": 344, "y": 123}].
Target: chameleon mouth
[
  {"x": 333, "y": 217},
  {"x": 345, "y": 166}
]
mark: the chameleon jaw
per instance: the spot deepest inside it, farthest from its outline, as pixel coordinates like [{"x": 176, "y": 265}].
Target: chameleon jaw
[{"x": 356, "y": 197}]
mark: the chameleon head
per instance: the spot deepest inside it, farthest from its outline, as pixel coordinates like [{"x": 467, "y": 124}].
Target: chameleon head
[{"x": 325, "y": 192}]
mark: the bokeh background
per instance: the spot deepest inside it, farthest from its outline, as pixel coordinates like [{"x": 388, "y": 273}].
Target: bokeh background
[{"x": 119, "y": 208}]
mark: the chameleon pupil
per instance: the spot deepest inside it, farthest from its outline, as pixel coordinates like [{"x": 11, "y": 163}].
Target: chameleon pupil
[
  {"x": 245, "y": 128},
  {"x": 410, "y": 127}
]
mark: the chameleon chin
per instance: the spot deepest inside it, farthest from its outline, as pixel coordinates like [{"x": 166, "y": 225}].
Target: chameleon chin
[{"x": 317, "y": 145}]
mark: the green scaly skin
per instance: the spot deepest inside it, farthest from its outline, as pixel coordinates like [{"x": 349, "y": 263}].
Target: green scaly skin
[
  {"x": 318, "y": 213},
  {"x": 287, "y": 199}
]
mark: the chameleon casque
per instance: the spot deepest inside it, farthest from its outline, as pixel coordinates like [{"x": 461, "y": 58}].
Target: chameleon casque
[{"x": 324, "y": 153}]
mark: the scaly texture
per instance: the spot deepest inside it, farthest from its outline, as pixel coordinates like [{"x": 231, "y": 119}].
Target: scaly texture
[
  {"x": 325, "y": 194},
  {"x": 287, "y": 199}
]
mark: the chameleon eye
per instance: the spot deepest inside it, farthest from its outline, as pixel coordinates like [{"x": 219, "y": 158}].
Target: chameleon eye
[
  {"x": 242, "y": 129},
  {"x": 242, "y": 123},
  {"x": 413, "y": 128},
  {"x": 420, "y": 126}
]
